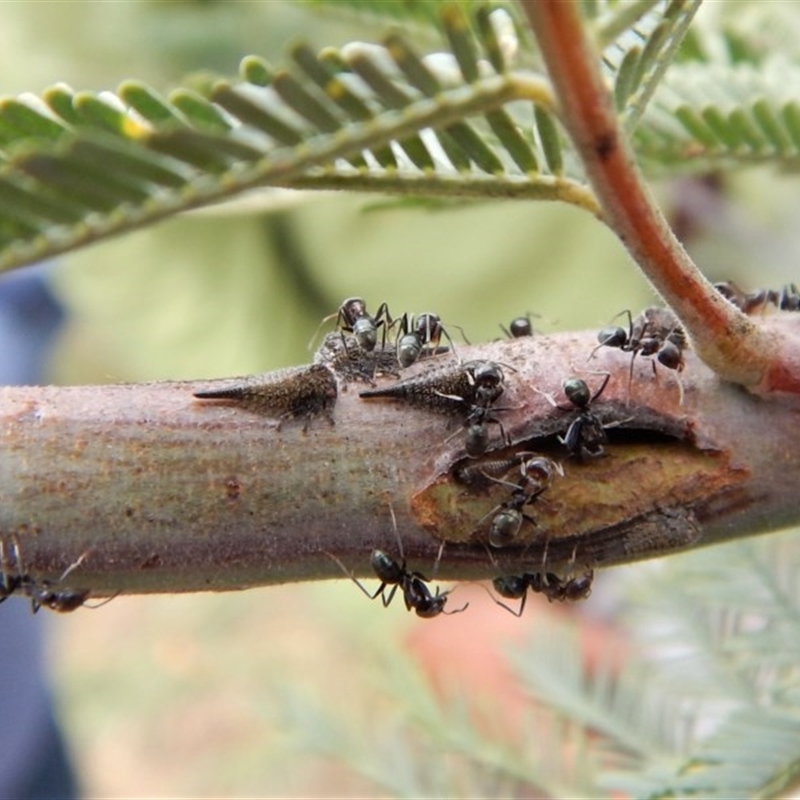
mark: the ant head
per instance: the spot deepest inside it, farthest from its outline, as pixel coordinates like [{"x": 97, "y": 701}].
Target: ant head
[
  {"x": 352, "y": 308},
  {"x": 428, "y": 327},
  {"x": 540, "y": 470},
  {"x": 488, "y": 374},
  {"x": 577, "y": 391},
  {"x": 521, "y": 326}
]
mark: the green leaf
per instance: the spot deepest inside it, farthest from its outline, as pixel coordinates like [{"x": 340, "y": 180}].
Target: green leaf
[
  {"x": 149, "y": 103},
  {"x": 368, "y": 116},
  {"x": 465, "y": 121},
  {"x": 736, "y": 115},
  {"x": 29, "y": 121}
]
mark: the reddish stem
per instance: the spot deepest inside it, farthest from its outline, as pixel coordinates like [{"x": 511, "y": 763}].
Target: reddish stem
[{"x": 729, "y": 342}]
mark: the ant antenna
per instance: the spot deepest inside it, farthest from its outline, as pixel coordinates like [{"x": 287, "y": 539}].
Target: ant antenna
[{"x": 397, "y": 533}]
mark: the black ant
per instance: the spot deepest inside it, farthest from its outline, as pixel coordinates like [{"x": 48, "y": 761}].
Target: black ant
[
  {"x": 536, "y": 475},
  {"x": 486, "y": 380},
  {"x": 44, "y": 593},
  {"x": 787, "y": 299},
  {"x": 417, "y": 333},
  {"x": 352, "y": 317},
  {"x": 746, "y": 302},
  {"x": 552, "y": 586},
  {"x": 519, "y": 327},
  {"x": 656, "y": 331},
  {"x": 476, "y": 441},
  {"x": 416, "y": 593},
  {"x": 586, "y": 434}
]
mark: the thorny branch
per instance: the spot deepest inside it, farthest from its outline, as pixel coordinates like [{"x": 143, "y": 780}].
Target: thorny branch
[
  {"x": 160, "y": 491},
  {"x": 753, "y": 353}
]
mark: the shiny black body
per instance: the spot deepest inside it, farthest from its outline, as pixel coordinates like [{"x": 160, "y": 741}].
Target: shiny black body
[
  {"x": 655, "y": 332},
  {"x": 519, "y": 327},
  {"x": 419, "y": 336},
  {"x": 536, "y": 474},
  {"x": 552, "y": 586},
  {"x": 413, "y": 585},
  {"x": 586, "y": 434},
  {"x": 352, "y": 317}
]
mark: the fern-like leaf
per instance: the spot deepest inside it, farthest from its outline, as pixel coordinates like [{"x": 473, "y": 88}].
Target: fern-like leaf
[
  {"x": 706, "y": 117},
  {"x": 468, "y": 121},
  {"x": 81, "y": 166}
]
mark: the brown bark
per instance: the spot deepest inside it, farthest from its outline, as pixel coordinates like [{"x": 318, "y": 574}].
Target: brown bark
[{"x": 162, "y": 492}]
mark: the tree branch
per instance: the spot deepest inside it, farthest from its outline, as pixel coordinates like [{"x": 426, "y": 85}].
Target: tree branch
[
  {"x": 162, "y": 492},
  {"x": 762, "y": 358}
]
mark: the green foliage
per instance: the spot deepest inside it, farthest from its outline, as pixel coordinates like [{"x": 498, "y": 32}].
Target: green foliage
[{"x": 474, "y": 119}]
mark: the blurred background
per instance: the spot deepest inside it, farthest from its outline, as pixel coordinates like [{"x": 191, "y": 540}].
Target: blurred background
[{"x": 235, "y": 695}]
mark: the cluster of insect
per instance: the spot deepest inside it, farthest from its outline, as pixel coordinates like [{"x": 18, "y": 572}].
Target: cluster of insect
[
  {"x": 363, "y": 346},
  {"x": 787, "y": 298}
]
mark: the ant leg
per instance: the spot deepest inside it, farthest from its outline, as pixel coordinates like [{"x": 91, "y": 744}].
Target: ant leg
[
  {"x": 602, "y": 387},
  {"x": 447, "y": 336},
  {"x": 504, "y": 435},
  {"x": 386, "y": 600},
  {"x": 18, "y": 566},
  {"x": 545, "y": 552},
  {"x": 9, "y": 583},
  {"x": 550, "y": 399},
  {"x": 384, "y": 319},
  {"x": 512, "y": 594},
  {"x": 680, "y": 389},
  {"x": 518, "y": 612},
  {"x": 5, "y": 586},
  {"x": 494, "y": 510},
  {"x": 463, "y": 335},
  {"x": 630, "y": 380},
  {"x": 310, "y": 345},
  {"x": 357, "y": 582}
]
